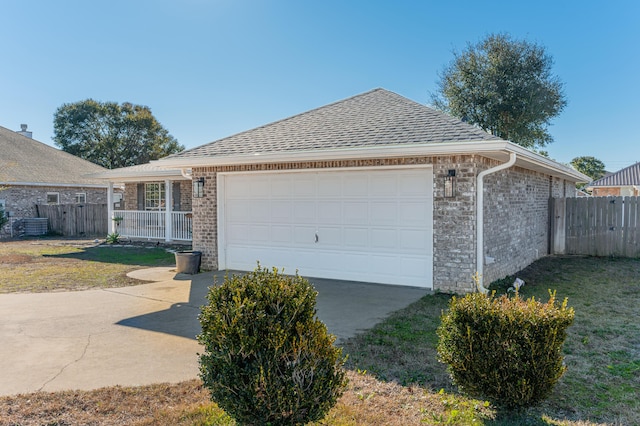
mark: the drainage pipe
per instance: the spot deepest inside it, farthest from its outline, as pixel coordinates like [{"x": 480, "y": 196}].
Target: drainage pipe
[
  {"x": 480, "y": 218},
  {"x": 184, "y": 173}
]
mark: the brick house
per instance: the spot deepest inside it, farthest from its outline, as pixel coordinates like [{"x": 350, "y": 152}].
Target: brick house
[
  {"x": 33, "y": 173},
  {"x": 374, "y": 188},
  {"x": 625, "y": 183}
]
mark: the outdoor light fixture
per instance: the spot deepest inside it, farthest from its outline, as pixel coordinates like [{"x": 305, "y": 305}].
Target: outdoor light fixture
[
  {"x": 450, "y": 184},
  {"x": 198, "y": 188}
]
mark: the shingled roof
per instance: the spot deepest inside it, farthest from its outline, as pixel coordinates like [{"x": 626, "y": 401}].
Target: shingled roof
[
  {"x": 628, "y": 176},
  {"x": 373, "y": 119},
  {"x": 26, "y": 161}
]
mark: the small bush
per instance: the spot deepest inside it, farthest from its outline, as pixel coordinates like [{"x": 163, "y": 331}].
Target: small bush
[
  {"x": 503, "y": 349},
  {"x": 268, "y": 359}
]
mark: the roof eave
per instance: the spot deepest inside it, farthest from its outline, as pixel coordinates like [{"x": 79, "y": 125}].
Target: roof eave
[{"x": 498, "y": 150}]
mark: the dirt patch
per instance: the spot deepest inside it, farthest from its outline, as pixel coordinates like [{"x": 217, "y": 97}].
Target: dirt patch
[{"x": 15, "y": 259}]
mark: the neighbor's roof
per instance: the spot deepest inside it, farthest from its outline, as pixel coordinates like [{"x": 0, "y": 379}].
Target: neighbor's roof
[
  {"x": 375, "y": 124},
  {"x": 626, "y": 177},
  {"x": 375, "y": 118},
  {"x": 25, "y": 161}
]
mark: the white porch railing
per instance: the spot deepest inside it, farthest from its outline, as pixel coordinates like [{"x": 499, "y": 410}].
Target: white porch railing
[{"x": 151, "y": 224}]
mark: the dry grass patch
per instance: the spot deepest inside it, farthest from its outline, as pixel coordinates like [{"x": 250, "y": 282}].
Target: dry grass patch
[{"x": 43, "y": 265}]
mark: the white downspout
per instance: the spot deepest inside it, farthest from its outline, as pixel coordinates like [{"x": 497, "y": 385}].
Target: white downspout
[
  {"x": 480, "y": 218},
  {"x": 184, "y": 173}
]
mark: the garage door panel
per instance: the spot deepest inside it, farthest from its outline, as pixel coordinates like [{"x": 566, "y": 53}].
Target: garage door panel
[
  {"x": 330, "y": 236},
  {"x": 282, "y": 234},
  {"x": 413, "y": 240},
  {"x": 304, "y": 235},
  {"x": 355, "y": 212},
  {"x": 330, "y": 211},
  {"x": 383, "y": 213},
  {"x": 282, "y": 211},
  {"x": 384, "y": 238},
  {"x": 356, "y": 238},
  {"x": 372, "y": 225},
  {"x": 355, "y": 186},
  {"x": 329, "y": 186},
  {"x": 281, "y": 186}
]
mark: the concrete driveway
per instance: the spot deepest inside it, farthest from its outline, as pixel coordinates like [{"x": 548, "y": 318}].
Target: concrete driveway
[{"x": 144, "y": 334}]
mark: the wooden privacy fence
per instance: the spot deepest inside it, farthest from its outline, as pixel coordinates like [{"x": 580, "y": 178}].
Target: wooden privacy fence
[
  {"x": 76, "y": 220},
  {"x": 596, "y": 226}
]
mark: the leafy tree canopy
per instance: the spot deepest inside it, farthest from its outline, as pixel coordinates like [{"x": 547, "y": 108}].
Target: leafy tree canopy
[
  {"x": 590, "y": 166},
  {"x": 504, "y": 86},
  {"x": 110, "y": 134}
]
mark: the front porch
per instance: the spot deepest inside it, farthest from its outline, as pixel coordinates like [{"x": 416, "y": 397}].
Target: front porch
[
  {"x": 156, "y": 225},
  {"x": 156, "y": 203}
]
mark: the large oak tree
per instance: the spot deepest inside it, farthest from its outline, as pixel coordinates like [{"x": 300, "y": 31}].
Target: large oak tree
[
  {"x": 505, "y": 86},
  {"x": 111, "y": 134}
]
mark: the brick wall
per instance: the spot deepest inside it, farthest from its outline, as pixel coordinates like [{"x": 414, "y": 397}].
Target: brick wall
[
  {"x": 21, "y": 200},
  {"x": 516, "y": 215},
  {"x": 614, "y": 191}
]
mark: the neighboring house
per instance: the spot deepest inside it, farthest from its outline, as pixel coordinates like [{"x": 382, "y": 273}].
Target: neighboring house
[
  {"x": 33, "y": 173},
  {"x": 373, "y": 188},
  {"x": 625, "y": 182},
  {"x": 144, "y": 211}
]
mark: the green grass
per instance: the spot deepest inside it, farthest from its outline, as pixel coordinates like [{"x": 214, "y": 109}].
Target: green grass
[
  {"x": 48, "y": 265},
  {"x": 602, "y": 351}
]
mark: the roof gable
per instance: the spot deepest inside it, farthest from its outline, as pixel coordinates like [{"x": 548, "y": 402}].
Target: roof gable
[
  {"x": 372, "y": 119},
  {"x": 628, "y": 176},
  {"x": 25, "y": 160}
]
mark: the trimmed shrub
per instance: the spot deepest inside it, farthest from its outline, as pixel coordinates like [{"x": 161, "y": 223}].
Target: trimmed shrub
[
  {"x": 268, "y": 359},
  {"x": 504, "y": 349}
]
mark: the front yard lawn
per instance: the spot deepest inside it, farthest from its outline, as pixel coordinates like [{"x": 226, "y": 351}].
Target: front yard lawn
[
  {"x": 41, "y": 265},
  {"x": 396, "y": 379}
]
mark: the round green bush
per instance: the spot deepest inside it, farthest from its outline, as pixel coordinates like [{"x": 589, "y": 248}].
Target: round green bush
[
  {"x": 268, "y": 359},
  {"x": 504, "y": 349}
]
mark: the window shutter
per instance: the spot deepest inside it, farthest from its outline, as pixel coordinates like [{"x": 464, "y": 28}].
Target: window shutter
[
  {"x": 176, "y": 196},
  {"x": 140, "y": 192}
]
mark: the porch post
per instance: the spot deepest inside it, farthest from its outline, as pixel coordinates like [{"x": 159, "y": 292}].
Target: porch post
[
  {"x": 111, "y": 226},
  {"x": 168, "y": 207}
]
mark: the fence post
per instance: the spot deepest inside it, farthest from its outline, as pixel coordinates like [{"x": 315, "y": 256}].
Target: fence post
[{"x": 558, "y": 226}]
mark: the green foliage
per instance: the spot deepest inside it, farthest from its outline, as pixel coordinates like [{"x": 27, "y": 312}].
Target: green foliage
[
  {"x": 3, "y": 218},
  {"x": 506, "y": 350},
  {"x": 112, "y": 238},
  {"x": 110, "y": 134},
  {"x": 268, "y": 359},
  {"x": 590, "y": 166},
  {"x": 505, "y": 86}
]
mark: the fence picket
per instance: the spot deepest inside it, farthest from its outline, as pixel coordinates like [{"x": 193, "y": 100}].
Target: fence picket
[
  {"x": 73, "y": 220},
  {"x": 602, "y": 226}
]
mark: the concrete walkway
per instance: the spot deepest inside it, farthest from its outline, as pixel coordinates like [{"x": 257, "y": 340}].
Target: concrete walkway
[{"x": 144, "y": 334}]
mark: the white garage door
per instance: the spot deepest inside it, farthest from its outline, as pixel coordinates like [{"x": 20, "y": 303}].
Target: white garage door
[{"x": 372, "y": 225}]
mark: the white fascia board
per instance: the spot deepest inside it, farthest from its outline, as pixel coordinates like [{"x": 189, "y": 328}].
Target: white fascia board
[
  {"x": 60, "y": 185},
  {"x": 140, "y": 176},
  {"x": 389, "y": 151}
]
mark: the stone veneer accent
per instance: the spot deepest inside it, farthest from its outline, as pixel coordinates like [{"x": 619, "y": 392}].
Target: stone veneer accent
[{"x": 516, "y": 215}]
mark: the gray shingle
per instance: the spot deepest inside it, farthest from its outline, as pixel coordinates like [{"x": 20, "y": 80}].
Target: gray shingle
[
  {"x": 23, "y": 159},
  {"x": 375, "y": 118}
]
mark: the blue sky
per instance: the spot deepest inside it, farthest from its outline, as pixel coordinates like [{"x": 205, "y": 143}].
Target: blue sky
[{"x": 212, "y": 68}]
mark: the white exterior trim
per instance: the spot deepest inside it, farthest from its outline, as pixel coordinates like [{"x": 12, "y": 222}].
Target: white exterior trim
[
  {"x": 498, "y": 150},
  {"x": 57, "y": 185}
]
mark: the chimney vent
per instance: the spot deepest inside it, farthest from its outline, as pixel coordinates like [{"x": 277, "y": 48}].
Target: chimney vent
[{"x": 25, "y": 132}]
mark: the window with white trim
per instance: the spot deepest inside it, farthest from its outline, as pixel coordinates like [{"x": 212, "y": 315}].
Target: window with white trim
[
  {"x": 154, "y": 196},
  {"x": 81, "y": 197},
  {"x": 53, "y": 198}
]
